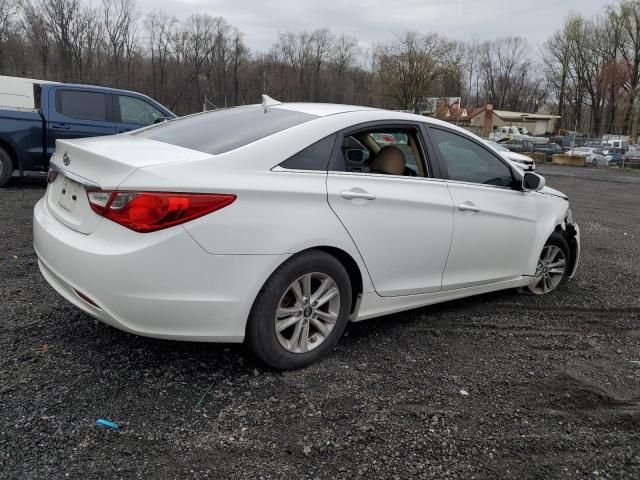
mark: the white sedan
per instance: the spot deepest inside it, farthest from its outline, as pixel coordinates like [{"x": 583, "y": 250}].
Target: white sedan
[
  {"x": 519, "y": 160},
  {"x": 276, "y": 224}
]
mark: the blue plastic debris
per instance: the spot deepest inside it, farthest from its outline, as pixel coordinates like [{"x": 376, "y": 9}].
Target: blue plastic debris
[{"x": 101, "y": 422}]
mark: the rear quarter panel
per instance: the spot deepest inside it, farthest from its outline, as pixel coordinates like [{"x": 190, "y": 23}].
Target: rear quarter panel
[{"x": 275, "y": 212}]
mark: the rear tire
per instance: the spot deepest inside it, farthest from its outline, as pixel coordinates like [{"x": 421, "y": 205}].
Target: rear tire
[
  {"x": 6, "y": 167},
  {"x": 301, "y": 311},
  {"x": 553, "y": 265}
]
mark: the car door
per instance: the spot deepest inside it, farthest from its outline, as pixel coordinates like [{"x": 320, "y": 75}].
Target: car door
[
  {"x": 133, "y": 113},
  {"x": 401, "y": 224},
  {"x": 78, "y": 113},
  {"x": 494, "y": 223}
]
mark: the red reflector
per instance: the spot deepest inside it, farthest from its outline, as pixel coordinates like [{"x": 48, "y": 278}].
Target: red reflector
[
  {"x": 150, "y": 211},
  {"x": 52, "y": 174},
  {"x": 85, "y": 298}
]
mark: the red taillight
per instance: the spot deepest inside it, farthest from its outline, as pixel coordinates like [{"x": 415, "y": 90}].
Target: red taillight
[
  {"x": 151, "y": 211},
  {"x": 52, "y": 174}
]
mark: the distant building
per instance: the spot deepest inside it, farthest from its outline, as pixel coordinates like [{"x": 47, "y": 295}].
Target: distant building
[{"x": 484, "y": 120}]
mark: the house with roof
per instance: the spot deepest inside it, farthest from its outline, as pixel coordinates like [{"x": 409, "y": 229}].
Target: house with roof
[{"x": 484, "y": 120}]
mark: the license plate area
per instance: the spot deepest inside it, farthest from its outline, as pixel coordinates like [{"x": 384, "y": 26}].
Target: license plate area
[{"x": 70, "y": 193}]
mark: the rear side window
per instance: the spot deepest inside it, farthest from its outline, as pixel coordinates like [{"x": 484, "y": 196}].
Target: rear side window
[
  {"x": 466, "y": 161},
  {"x": 314, "y": 157},
  {"x": 224, "y": 130},
  {"x": 82, "y": 105}
]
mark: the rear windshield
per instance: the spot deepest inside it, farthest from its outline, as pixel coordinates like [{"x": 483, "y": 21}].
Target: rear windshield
[{"x": 224, "y": 130}]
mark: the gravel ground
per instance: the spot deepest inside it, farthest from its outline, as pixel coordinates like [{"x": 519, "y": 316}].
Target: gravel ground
[{"x": 552, "y": 383}]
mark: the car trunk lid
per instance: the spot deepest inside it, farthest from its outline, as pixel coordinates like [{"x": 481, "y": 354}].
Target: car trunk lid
[{"x": 101, "y": 163}]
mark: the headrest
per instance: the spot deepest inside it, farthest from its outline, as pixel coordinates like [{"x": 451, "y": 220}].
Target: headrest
[{"x": 389, "y": 160}]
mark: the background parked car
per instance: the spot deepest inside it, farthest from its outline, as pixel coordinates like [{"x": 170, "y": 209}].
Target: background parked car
[
  {"x": 614, "y": 155},
  {"x": 594, "y": 155},
  {"x": 632, "y": 157},
  {"x": 549, "y": 149},
  {"x": 518, "y": 145},
  {"x": 34, "y": 114}
]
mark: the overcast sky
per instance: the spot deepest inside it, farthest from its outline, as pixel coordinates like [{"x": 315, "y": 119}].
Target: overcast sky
[{"x": 374, "y": 20}]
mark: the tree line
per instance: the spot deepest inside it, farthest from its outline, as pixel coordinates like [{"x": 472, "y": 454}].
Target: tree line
[{"x": 588, "y": 72}]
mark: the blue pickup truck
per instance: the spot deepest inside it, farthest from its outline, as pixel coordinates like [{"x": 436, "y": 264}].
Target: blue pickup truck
[{"x": 34, "y": 114}]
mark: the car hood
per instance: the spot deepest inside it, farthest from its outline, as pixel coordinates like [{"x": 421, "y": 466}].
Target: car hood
[
  {"x": 515, "y": 156},
  {"x": 552, "y": 191}
]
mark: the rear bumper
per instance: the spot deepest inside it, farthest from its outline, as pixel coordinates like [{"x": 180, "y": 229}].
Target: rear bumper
[{"x": 161, "y": 284}]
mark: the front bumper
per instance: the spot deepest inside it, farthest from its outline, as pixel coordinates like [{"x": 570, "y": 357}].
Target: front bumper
[
  {"x": 160, "y": 284},
  {"x": 575, "y": 239}
]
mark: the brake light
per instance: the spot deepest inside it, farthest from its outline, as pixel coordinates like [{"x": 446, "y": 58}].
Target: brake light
[{"x": 150, "y": 211}]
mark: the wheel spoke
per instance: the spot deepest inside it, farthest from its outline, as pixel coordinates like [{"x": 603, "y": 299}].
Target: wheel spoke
[
  {"x": 286, "y": 323},
  {"x": 557, "y": 271},
  {"x": 327, "y": 296},
  {"x": 287, "y": 311},
  {"x": 559, "y": 263},
  {"x": 304, "y": 337},
  {"x": 306, "y": 286},
  {"x": 324, "y": 285},
  {"x": 321, "y": 327},
  {"x": 328, "y": 317},
  {"x": 297, "y": 292},
  {"x": 294, "y": 341}
]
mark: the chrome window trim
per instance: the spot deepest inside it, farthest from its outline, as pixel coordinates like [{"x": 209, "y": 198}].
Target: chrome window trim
[{"x": 385, "y": 175}]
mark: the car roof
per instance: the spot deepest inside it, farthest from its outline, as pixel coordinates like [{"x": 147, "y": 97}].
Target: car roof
[
  {"x": 322, "y": 109},
  {"x": 327, "y": 109}
]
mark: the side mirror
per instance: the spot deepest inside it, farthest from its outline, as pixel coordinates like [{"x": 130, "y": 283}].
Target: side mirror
[
  {"x": 161, "y": 120},
  {"x": 532, "y": 181},
  {"x": 356, "y": 155}
]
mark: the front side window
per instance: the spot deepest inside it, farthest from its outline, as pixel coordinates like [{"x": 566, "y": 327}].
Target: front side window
[
  {"x": 135, "y": 110},
  {"x": 82, "y": 105},
  {"x": 385, "y": 151},
  {"x": 466, "y": 161}
]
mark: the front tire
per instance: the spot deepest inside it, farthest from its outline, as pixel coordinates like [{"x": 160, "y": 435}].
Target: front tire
[
  {"x": 553, "y": 265},
  {"x": 301, "y": 311},
  {"x": 6, "y": 167}
]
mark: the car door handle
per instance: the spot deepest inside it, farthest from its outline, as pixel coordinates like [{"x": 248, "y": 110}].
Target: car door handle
[
  {"x": 468, "y": 207},
  {"x": 353, "y": 194},
  {"x": 60, "y": 126}
]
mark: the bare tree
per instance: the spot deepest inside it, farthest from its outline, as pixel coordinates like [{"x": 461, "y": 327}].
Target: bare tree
[
  {"x": 410, "y": 64},
  {"x": 239, "y": 57},
  {"x": 321, "y": 44},
  {"x": 343, "y": 56},
  {"x": 160, "y": 29},
  {"x": 503, "y": 63},
  {"x": 628, "y": 17},
  {"x": 8, "y": 11},
  {"x": 119, "y": 20}
]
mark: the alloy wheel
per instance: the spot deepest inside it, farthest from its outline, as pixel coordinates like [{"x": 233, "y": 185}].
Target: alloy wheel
[
  {"x": 307, "y": 312},
  {"x": 551, "y": 268}
]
